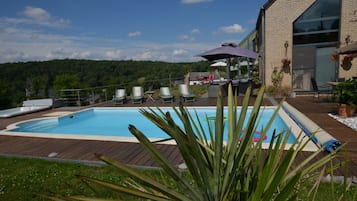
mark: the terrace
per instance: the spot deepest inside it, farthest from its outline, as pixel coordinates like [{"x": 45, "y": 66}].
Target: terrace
[{"x": 134, "y": 154}]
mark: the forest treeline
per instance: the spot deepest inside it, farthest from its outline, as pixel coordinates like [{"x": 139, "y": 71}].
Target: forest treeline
[{"x": 19, "y": 81}]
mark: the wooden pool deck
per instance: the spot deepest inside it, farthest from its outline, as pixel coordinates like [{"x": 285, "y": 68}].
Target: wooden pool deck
[{"x": 134, "y": 154}]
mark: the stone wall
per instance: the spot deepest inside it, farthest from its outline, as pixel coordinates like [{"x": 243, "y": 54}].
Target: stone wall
[
  {"x": 348, "y": 28},
  {"x": 279, "y": 18}
]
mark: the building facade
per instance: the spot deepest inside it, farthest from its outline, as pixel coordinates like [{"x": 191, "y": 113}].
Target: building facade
[{"x": 300, "y": 38}]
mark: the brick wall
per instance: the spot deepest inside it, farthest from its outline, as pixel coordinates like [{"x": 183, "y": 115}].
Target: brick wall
[
  {"x": 279, "y": 20},
  {"x": 348, "y": 27}
]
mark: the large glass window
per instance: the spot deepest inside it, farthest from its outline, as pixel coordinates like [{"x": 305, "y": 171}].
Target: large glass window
[
  {"x": 315, "y": 35},
  {"x": 318, "y": 24}
]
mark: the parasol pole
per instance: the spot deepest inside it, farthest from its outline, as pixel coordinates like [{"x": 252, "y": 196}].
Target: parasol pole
[{"x": 228, "y": 69}]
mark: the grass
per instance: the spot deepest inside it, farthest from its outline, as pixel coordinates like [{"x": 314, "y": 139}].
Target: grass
[{"x": 20, "y": 178}]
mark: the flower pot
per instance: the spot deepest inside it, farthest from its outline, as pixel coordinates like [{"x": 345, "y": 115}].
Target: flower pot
[
  {"x": 342, "y": 110},
  {"x": 345, "y": 110},
  {"x": 350, "y": 110}
]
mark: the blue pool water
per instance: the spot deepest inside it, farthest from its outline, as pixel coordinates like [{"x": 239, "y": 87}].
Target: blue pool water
[{"x": 114, "y": 122}]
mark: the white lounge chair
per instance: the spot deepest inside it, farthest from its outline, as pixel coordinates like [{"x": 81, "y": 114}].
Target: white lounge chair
[
  {"x": 137, "y": 94},
  {"x": 28, "y": 106},
  {"x": 185, "y": 93},
  {"x": 120, "y": 96},
  {"x": 166, "y": 95}
]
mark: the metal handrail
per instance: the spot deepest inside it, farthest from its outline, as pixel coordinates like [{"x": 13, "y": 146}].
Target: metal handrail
[{"x": 93, "y": 95}]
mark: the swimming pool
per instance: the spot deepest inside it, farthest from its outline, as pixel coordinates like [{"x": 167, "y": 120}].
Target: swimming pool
[{"x": 104, "y": 123}]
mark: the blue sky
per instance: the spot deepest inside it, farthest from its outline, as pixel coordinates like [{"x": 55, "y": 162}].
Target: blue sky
[{"x": 157, "y": 30}]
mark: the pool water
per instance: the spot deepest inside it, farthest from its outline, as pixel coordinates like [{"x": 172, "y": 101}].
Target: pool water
[{"x": 115, "y": 122}]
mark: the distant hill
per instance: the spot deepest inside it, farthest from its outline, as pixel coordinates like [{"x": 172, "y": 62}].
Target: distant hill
[{"x": 38, "y": 79}]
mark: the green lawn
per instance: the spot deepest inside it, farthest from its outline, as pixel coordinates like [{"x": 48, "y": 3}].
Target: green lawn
[{"x": 20, "y": 178}]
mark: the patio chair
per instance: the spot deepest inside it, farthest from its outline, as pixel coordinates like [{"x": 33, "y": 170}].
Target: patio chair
[
  {"x": 318, "y": 89},
  {"x": 120, "y": 96},
  {"x": 243, "y": 86},
  {"x": 166, "y": 95},
  {"x": 235, "y": 86},
  {"x": 137, "y": 94},
  {"x": 185, "y": 93}
]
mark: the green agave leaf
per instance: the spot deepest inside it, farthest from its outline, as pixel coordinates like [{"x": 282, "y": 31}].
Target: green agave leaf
[
  {"x": 279, "y": 175},
  {"x": 195, "y": 160},
  {"x": 164, "y": 163},
  {"x": 238, "y": 149},
  {"x": 286, "y": 192},
  {"x": 242, "y": 150},
  {"x": 53, "y": 198},
  {"x": 183, "y": 142},
  {"x": 82, "y": 198},
  {"x": 310, "y": 164},
  {"x": 232, "y": 114},
  {"x": 218, "y": 148},
  {"x": 267, "y": 170},
  {"x": 316, "y": 185}
]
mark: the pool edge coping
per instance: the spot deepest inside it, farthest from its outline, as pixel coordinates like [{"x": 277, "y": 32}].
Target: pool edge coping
[{"x": 294, "y": 128}]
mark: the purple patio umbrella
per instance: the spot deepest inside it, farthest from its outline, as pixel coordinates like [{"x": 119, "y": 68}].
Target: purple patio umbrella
[{"x": 226, "y": 51}]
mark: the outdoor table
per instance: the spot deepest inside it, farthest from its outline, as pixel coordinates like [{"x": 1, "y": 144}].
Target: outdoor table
[
  {"x": 149, "y": 95},
  {"x": 213, "y": 89},
  {"x": 333, "y": 83}
]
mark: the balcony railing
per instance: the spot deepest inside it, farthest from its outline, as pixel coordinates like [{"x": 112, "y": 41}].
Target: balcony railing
[{"x": 95, "y": 95}]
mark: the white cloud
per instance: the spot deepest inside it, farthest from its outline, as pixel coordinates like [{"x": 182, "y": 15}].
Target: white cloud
[
  {"x": 187, "y": 38},
  {"x": 36, "y": 16},
  {"x": 235, "y": 28},
  {"x": 194, "y": 1},
  {"x": 25, "y": 44},
  {"x": 113, "y": 54},
  {"x": 147, "y": 55},
  {"x": 134, "y": 34},
  {"x": 195, "y": 31},
  {"x": 12, "y": 55},
  {"x": 179, "y": 52}
]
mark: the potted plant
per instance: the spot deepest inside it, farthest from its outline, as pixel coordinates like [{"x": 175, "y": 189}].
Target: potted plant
[{"x": 346, "y": 94}]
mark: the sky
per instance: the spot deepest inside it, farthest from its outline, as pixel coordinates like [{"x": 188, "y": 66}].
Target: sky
[{"x": 156, "y": 30}]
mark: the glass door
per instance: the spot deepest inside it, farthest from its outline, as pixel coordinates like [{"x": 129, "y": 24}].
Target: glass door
[
  {"x": 303, "y": 67},
  {"x": 325, "y": 67}
]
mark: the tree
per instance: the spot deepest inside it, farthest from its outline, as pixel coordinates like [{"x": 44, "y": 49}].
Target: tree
[
  {"x": 66, "y": 81},
  {"x": 4, "y": 95}
]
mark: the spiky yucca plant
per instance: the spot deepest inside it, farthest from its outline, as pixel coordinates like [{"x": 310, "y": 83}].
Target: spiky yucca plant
[{"x": 238, "y": 169}]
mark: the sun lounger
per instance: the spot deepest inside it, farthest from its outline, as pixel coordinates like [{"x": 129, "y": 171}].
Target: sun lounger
[
  {"x": 185, "y": 93},
  {"x": 120, "y": 96},
  {"x": 137, "y": 94},
  {"x": 29, "y": 106},
  {"x": 166, "y": 95}
]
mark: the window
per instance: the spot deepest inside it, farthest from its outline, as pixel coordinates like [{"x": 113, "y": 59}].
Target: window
[{"x": 318, "y": 24}]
